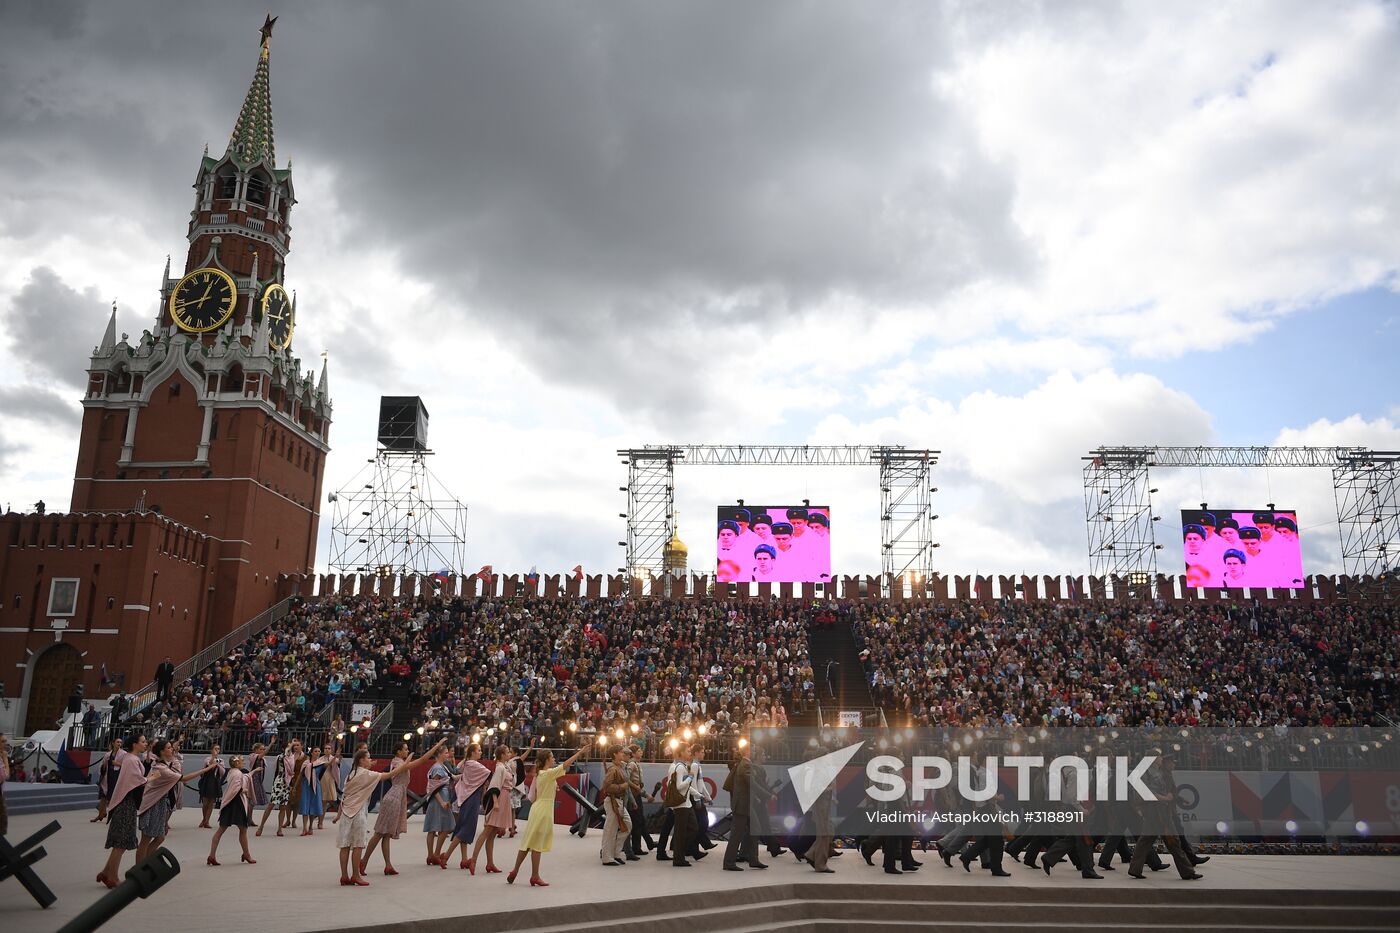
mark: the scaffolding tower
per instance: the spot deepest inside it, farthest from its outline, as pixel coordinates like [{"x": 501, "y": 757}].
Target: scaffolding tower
[
  {"x": 1119, "y": 516},
  {"x": 906, "y": 496},
  {"x": 395, "y": 517}
]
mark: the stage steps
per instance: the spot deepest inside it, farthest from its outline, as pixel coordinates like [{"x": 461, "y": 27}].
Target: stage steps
[
  {"x": 49, "y": 798},
  {"x": 795, "y": 907}
]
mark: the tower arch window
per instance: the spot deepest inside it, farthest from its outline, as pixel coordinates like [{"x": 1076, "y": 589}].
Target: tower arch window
[
  {"x": 226, "y": 185},
  {"x": 257, "y": 188}
]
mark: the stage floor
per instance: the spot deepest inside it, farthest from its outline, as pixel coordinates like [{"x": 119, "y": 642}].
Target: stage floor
[{"x": 294, "y": 886}]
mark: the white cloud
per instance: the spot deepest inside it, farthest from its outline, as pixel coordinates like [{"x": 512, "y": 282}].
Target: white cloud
[{"x": 1191, "y": 176}]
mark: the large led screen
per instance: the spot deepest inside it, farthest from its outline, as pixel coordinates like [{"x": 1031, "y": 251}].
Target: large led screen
[
  {"x": 773, "y": 544},
  {"x": 1254, "y": 548}
]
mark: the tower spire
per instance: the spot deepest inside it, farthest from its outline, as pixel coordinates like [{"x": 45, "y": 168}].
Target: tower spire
[
  {"x": 109, "y": 338},
  {"x": 252, "y": 134}
]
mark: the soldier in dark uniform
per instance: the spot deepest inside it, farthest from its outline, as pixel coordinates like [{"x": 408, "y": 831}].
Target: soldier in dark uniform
[{"x": 1157, "y": 821}]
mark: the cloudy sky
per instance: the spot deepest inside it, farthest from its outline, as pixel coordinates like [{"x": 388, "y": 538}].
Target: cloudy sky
[{"x": 1008, "y": 231}]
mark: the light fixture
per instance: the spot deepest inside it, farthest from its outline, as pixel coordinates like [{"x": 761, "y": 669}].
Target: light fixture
[
  {"x": 502, "y": 725},
  {"x": 476, "y": 738},
  {"x": 407, "y": 736},
  {"x": 636, "y": 728},
  {"x": 573, "y": 727}
]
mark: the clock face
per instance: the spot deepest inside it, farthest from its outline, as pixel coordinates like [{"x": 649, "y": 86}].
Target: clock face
[
  {"x": 203, "y": 300},
  {"x": 277, "y": 317}
]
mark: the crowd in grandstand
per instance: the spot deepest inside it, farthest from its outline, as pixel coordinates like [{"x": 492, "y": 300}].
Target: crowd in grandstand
[
  {"x": 1089, "y": 664},
  {"x": 593, "y": 665},
  {"x": 539, "y": 666}
]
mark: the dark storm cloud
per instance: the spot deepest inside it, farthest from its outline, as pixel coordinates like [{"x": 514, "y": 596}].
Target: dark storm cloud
[
  {"x": 44, "y": 409},
  {"x": 612, "y": 179},
  {"x": 52, "y": 327}
]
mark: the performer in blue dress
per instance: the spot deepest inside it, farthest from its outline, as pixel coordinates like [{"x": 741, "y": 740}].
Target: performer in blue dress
[
  {"x": 310, "y": 803},
  {"x": 438, "y": 820}
]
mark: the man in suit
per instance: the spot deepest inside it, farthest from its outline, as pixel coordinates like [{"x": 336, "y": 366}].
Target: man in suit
[
  {"x": 742, "y": 793},
  {"x": 165, "y": 676}
]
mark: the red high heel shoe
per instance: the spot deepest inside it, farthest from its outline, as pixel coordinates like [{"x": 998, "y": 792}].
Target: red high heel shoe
[
  {"x": 360, "y": 882},
  {"x": 249, "y": 859},
  {"x": 432, "y": 860},
  {"x": 389, "y": 870},
  {"x": 470, "y": 865},
  {"x": 345, "y": 882},
  {"x": 492, "y": 870},
  {"x": 211, "y": 861},
  {"x": 538, "y": 883},
  {"x": 103, "y": 879},
  {"x": 510, "y": 878}
]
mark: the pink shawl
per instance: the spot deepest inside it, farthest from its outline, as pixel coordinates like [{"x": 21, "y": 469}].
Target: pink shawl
[
  {"x": 474, "y": 774},
  {"x": 358, "y": 788},
  {"x": 131, "y": 774},
  {"x": 158, "y": 784},
  {"x": 239, "y": 785}
]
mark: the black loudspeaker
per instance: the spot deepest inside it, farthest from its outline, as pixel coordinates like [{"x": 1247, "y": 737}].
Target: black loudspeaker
[{"x": 403, "y": 423}]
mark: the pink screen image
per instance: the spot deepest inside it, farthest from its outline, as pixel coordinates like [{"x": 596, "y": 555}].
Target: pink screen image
[
  {"x": 773, "y": 544},
  {"x": 1238, "y": 548}
]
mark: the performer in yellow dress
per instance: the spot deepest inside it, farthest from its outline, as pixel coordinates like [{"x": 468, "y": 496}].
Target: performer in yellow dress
[{"x": 538, "y": 837}]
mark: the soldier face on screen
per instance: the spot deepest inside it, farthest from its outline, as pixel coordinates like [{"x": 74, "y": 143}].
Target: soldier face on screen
[
  {"x": 1253, "y": 546},
  {"x": 1234, "y": 568},
  {"x": 784, "y": 541},
  {"x": 763, "y": 563},
  {"x": 727, "y": 537},
  {"x": 799, "y": 527},
  {"x": 1287, "y": 534},
  {"x": 1193, "y": 544},
  {"x": 763, "y": 531},
  {"x": 1230, "y": 536}
]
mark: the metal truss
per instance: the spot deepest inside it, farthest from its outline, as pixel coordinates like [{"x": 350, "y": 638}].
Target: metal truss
[
  {"x": 906, "y": 512},
  {"x": 1118, "y": 513},
  {"x": 1118, "y": 502},
  {"x": 395, "y": 518},
  {"x": 651, "y": 508},
  {"x": 1368, "y": 512},
  {"x": 906, "y": 517}
]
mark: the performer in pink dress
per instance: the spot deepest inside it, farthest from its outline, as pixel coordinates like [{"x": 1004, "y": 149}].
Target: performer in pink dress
[
  {"x": 500, "y": 814},
  {"x": 393, "y": 807},
  {"x": 354, "y": 809},
  {"x": 235, "y": 809}
]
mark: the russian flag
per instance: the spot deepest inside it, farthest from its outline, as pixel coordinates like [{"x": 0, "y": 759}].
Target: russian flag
[
  {"x": 533, "y": 576},
  {"x": 441, "y": 578}
]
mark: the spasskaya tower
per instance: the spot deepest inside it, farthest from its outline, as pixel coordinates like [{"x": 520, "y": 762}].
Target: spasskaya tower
[{"x": 209, "y": 418}]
